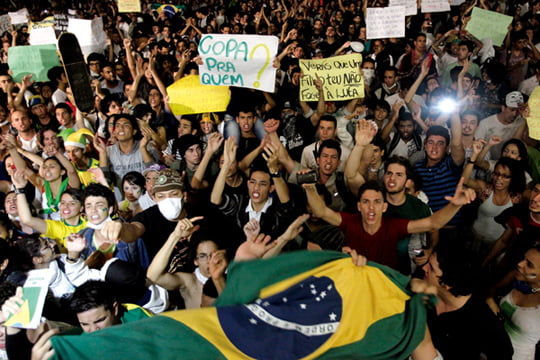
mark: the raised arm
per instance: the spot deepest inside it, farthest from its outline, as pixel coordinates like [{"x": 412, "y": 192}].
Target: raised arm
[
  {"x": 73, "y": 177},
  {"x": 19, "y": 181},
  {"x": 157, "y": 271},
  {"x": 214, "y": 142},
  {"x": 440, "y": 218},
  {"x": 457, "y": 150},
  {"x": 477, "y": 185},
  {"x": 365, "y": 132},
  {"x": 229, "y": 155},
  {"x": 319, "y": 208},
  {"x": 292, "y": 232},
  {"x": 271, "y": 155}
]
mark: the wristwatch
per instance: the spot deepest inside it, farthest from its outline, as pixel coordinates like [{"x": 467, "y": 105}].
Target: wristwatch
[{"x": 275, "y": 174}]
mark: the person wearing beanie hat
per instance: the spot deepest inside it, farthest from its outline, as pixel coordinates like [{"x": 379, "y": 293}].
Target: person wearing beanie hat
[{"x": 75, "y": 144}]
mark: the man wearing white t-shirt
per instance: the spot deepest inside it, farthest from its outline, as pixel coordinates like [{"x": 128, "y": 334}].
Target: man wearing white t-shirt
[{"x": 503, "y": 124}]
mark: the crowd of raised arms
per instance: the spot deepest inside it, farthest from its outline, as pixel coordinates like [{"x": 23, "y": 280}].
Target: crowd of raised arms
[{"x": 432, "y": 172}]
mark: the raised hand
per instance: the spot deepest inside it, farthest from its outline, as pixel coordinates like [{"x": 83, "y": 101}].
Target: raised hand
[
  {"x": 185, "y": 227},
  {"x": 255, "y": 248},
  {"x": 252, "y": 229},
  {"x": 365, "y": 132},
  {"x": 462, "y": 196},
  {"x": 75, "y": 243},
  {"x": 214, "y": 142}
]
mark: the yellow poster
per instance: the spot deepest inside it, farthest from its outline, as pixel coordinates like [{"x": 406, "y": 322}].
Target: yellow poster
[
  {"x": 129, "y": 6},
  {"x": 533, "y": 120},
  {"x": 341, "y": 77},
  {"x": 188, "y": 96}
]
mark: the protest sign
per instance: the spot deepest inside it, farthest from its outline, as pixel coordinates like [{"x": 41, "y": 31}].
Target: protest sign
[
  {"x": 188, "y": 96},
  {"x": 19, "y": 16},
  {"x": 34, "y": 293},
  {"x": 431, "y": 6},
  {"x": 129, "y": 6},
  {"x": 488, "y": 24},
  {"x": 533, "y": 120},
  {"x": 341, "y": 77},
  {"x": 411, "y": 7},
  {"x": 90, "y": 34},
  {"x": 388, "y": 22},
  {"x": 42, "y": 36},
  {"x": 238, "y": 60},
  {"x": 32, "y": 59},
  {"x": 456, "y": 2},
  {"x": 4, "y": 23},
  {"x": 61, "y": 22}
]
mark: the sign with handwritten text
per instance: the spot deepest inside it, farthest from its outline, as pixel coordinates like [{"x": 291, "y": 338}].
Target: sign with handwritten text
[
  {"x": 340, "y": 75},
  {"x": 129, "y": 6},
  {"x": 411, "y": 7},
  {"x": 238, "y": 60},
  {"x": 188, "y": 96},
  {"x": 387, "y": 22},
  {"x": 533, "y": 120},
  {"x": 489, "y": 24},
  {"x": 431, "y": 6},
  {"x": 32, "y": 59}
]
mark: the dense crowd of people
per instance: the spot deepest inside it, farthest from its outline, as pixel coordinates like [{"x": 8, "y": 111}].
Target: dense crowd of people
[{"x": 136, "y": 210}]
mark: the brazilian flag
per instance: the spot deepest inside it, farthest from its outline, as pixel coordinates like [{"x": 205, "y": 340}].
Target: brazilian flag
[{"x": 300, "y": 305}]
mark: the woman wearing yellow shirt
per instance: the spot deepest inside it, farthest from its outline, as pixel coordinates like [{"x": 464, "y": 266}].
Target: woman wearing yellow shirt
[{"x": 70, "y": 208}]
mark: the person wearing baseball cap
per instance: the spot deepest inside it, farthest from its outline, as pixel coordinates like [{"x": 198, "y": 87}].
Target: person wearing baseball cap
[
  {"x": 503, "y": 124},
  {"x": 38, "y": 107},
  {"x": 155, "y": 224}
]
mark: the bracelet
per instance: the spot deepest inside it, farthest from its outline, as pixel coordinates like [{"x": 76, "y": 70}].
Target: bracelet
[
  {"x": 469, "y": 161},
  {"x": 20, "y": 191},
  {"x": 275, "y": 174}
]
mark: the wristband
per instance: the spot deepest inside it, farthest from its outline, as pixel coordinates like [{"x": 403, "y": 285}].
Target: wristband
[
  {"x": 469, "y": 161},
  {"x": 20, "y": 191}
]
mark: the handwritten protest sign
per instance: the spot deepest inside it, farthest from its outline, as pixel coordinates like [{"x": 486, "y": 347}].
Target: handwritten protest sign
[
  {"x": 387, "y": 22},
  {"x": 238, "y": 60},
  {"x": 19, "y": 16},
  {"x": 341, "y": 77},
  {"x": 42, "y": 36},
  {"x": 42, "y": 32},
  {"x": 4, "y": 23},
  {"x": 32, "y": 59},
  {"x": 61, "y": 23},
  {"x": 90, "y": 34},
  {"x": 435, "y": 6},
  {"x": 129, "y": 6},
  {"x": 489, "y": 24},
  {"x": 411, "y": 7},
  {"x": 188, "y": 96},
  {"x": 533, "y": 121}
]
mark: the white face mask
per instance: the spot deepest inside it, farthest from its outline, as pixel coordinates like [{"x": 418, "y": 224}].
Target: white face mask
[
  {"x": 170, "y": 208},
  {"x": 369, "y": 74},
  {"x": 100, "y": 225}
]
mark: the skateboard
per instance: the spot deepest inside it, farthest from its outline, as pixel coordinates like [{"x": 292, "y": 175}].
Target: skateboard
[{"x": 76, "y": 71}]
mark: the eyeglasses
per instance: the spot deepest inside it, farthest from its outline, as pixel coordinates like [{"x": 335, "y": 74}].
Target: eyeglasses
[{"x": 504, "y": 176}]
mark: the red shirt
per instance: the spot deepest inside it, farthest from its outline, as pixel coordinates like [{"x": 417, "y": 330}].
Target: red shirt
[{"x": 380, "y": 247}]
